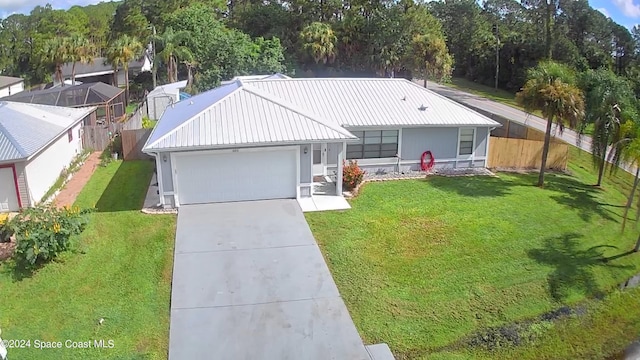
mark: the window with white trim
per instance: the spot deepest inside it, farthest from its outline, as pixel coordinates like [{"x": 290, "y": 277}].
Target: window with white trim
[
  {"x": 374, "y": 144},
  {"x": 466, "y": 141}
]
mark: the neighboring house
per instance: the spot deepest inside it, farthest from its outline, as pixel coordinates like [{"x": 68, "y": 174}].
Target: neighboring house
[
  {"x": 108, "y": 99},
  {"x": 255, "y": 77},
  {"x": 36, "y": 143},
  {"x": 269, "y": 138},
  {"x": 101, "y": 71},
  {"x": 10, "y": 85},
  {"x": 163, "y": 96}
]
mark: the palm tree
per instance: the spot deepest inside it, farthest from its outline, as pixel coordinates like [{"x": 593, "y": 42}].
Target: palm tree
[
  {"x": 172, "y": 50},
  {"x": 56, "y": 52},
  {"x": 80, "y": 51},
  {"x": 124, "y": 50},
  {"x": 319, "y": 40},
  {"x": 550, "y": 88},
  {"x": 629, "y": 149},
  {"x": 609, "y": 101},
  {"x": 191, "y": 66},
  {"x": 430, "y": 56}
]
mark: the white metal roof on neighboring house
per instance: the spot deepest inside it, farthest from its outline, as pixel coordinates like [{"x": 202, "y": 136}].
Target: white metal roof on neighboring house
[
  {"x": 389, "y": 102},
  {"x": 255, "y": 77},
  {"x": 172, "y": 88},
  {"x": 244, "y": 116},
  {"x": 27, "y": 128}
]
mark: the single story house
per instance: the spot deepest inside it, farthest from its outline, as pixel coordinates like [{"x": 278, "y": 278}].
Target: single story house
[
  {"x": 269, "y": 138},
  {"x": 109, "y": 100},
  {"x": 36, "y": 143},
  {"x": 99, "y": 70},
  {"x": 163, "y": 96},
  {"x": 10, "y": 85}
]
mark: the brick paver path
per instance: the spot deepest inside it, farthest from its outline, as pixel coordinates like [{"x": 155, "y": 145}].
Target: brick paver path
[{"x": 68, "y": 195}]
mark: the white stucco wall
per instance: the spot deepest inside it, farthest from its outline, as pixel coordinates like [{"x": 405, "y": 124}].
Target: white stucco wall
[{"x": 43, "y": 170}]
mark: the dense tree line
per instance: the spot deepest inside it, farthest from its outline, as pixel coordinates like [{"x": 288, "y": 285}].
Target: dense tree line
[{"x": 331, "y": 37}]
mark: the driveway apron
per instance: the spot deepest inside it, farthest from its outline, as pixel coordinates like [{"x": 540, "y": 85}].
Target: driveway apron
[{"x": 249, "y": 282}]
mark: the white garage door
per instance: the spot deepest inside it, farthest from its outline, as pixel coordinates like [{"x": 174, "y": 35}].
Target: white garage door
[
  {"x": 205, "y": 177},
  {"x": 8, "y": 196}
]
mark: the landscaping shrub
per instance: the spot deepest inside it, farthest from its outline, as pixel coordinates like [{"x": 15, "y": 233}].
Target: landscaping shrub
[
  {"x": 43, "y": 232},
  {"x": 5, "y": 231},
  {"x": 147, "y": 123},
  {"x": 352, "y": 175}
]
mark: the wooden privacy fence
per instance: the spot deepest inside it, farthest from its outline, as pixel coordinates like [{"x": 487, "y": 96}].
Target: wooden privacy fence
[
  {"x": 132, "y": 143},
  {"x": 97, "y": 137},
  {"x": 525, "y": 154}
]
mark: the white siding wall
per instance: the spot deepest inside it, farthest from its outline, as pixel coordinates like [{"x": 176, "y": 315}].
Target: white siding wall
[
  {"x": 45, "y": 168},
  {"x": 11, "y": 90},
  {"x": 159, "y": 103},
  {"x": 305, "y": 163}
]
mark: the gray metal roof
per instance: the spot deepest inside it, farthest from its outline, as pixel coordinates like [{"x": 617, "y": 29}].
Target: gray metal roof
[
  {"x": 76, "y": 95},
  {"x": 27, "y": 128},
  {"x": 244, "y": 116},
  {"x": 9, "y": 80},
  {"x": 381, "y": 102},
  {"x": 99, "y": 65}
]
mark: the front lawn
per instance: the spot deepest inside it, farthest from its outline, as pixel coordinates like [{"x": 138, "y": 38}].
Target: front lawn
[
  {"x": 424, "y": 264},
  {"x": 120, "y": 271}
]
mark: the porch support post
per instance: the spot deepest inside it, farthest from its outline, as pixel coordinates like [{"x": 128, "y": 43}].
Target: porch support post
[
  {"x": 159, "y": 178},
  {"x": 341, "y": 152}
]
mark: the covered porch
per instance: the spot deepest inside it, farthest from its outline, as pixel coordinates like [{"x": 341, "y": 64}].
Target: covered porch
[{"x": 322, "y": 189}]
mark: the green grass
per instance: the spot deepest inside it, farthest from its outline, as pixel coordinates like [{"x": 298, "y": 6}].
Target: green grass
[
  {"x": 501, "y": 96},
  {"x": 120, "y": 271},
  {"x": 423, "y": 264},
  {"x": 131, "y": 108}
]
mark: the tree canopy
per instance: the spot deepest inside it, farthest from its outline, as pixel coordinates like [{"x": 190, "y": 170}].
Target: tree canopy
[{"x": 465, "y": 38}]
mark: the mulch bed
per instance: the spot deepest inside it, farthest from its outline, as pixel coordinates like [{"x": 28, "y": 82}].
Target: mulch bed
[{"x": 6, "y": 249}]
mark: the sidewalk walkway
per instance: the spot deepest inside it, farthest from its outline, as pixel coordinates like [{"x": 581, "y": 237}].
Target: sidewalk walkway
[{"x": 68, "y": 195}]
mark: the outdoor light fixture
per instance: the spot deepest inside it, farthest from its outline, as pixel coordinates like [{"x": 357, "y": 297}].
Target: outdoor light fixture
[
  {"x": 306, "y": 149},
  {"x": 164, "y": 158}
]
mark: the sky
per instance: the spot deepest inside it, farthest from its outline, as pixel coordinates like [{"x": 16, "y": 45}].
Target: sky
[{"x": 624, "y": 12}]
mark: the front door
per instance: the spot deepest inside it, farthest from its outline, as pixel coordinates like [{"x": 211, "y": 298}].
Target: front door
[{"x": 319, "y": 159}]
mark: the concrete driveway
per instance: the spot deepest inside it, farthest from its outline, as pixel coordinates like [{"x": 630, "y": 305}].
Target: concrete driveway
[{"x": 249, "y": 282}]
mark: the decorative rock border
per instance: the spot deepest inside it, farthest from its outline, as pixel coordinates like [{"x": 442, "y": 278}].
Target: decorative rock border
[
  {"x": 159, "y": 211},
  {"x": 417, "y": 175}
]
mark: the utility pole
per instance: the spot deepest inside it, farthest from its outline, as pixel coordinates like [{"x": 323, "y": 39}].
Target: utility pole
[
  {"x": 495, "y": 30},
  {"x": 154, "y": 71}
]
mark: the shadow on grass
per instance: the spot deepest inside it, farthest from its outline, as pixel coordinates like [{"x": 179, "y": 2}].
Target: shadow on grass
[
  {"x": 579, "y": 196},
  {"x": 475, "y": 186},
  {"x": 127, "y": 188},
  {"x": 573, "y": 265}
]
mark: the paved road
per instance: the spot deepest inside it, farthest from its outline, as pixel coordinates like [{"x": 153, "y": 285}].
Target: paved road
[
  {"x": 249, "y": 282},
  {"x": 512, "y": 114}
]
